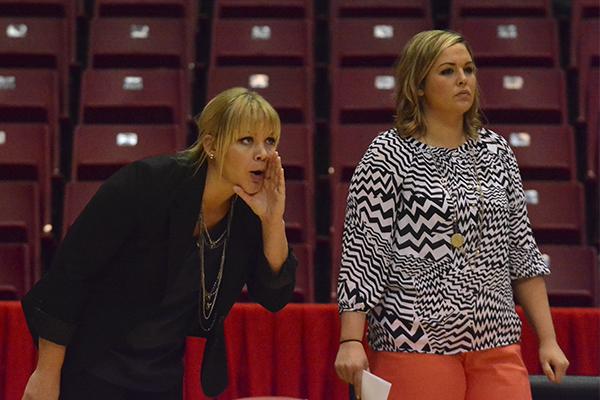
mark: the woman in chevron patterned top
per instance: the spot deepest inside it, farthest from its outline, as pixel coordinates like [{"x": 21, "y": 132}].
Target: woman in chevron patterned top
[{"x": 436, "y": 241}]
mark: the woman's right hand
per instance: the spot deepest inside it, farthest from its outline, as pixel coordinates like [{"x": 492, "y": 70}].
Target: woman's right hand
[
  {"x": 42, "y": 386},
  {"x": 350, "y": 361}
]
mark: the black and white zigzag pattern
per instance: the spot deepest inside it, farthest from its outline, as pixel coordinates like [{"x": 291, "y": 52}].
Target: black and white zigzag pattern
[{"x": 398, "y": 264}]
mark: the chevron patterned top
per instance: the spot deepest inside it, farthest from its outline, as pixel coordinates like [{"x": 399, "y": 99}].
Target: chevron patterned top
[{"x": 419, "y": 292}]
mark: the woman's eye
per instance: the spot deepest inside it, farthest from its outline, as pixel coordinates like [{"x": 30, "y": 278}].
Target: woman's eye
[
  {"x": 469, "y": 70},
  {"x": 246, "y": 140},
  {"x": 271, "y": 141},
  {"x": 447, "y": 71}
]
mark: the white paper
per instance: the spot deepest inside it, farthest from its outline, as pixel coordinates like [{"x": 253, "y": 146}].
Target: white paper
[{"x": 373, "y": 387}]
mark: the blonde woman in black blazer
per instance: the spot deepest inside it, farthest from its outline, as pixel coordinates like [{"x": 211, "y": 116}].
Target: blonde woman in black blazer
[{"x": 162, "y": 251}]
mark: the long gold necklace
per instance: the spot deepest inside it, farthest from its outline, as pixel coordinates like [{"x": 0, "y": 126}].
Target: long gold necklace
[
  {"x": 457, "y": 239},
  {"x": 209, "y": 297}
]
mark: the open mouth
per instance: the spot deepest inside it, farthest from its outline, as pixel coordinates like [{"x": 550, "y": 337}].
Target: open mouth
[{"x": 257, "y": 173}]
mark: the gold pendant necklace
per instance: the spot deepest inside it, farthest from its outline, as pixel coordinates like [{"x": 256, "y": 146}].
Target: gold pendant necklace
[{"x": 457, "y": 240}]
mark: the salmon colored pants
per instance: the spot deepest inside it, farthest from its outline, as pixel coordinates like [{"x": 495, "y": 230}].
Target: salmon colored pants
[{"x": 496, "y": 374}]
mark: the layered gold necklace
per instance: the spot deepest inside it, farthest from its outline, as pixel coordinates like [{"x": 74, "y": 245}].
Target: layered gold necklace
[{"x": 209, "y": 297}]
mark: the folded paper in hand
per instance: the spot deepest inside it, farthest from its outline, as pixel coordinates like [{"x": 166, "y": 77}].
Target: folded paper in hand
[{"x": 373, "y": 387}]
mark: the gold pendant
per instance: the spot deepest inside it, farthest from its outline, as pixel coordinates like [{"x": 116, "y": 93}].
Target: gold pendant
[{"x": 457, "y": 240}]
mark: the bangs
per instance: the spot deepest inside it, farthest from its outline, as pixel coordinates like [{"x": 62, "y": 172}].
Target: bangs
[{"x": 248, "y": 114}]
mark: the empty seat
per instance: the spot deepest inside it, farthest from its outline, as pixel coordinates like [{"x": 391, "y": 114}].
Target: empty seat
[
  {"x": 296, "y": 151},
  {"x": 299, "y": 215},
  {"x": 348, "y": 144},
  {"x": 77, "y": 195},
  {"x": 574, "y": 278},
  {"x": 25, "y": 155},
  {"x": 556, "y": 211},
  {"x": 372, "y": 41},
  {"x": 264, "y": 9},
  {"x": 510, "y": 8},
  {"x": 139, "y": 43},
  {"x": 523, "y": 95},
  {"x": 582, "y": 12},
  {"x": 19, "y": 219},
  {"x": 146, "y": 8},
  {"x": 288, "y": 89},
  {"x": 511, "y": 41},
  {"x": 362, "y": 95},
  {"x": 15, "y": 279},
  {"x": 32, "y": 96},
  {"x": 100, "y": 150},
  {"x": 33, "y": 42},
  {"x": 542, "y": 151},
  {"x": 587, "y": 48},
  {"x": 156, "y": 96},
  {"x": 261, "y": 42},
  {"x": 381, "y": 8},
  {"x": 304, "y": 290},
  {"x": 592, "y": 139}
]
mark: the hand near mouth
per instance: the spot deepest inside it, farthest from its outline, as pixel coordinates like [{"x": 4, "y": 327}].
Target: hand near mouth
[{"x": 269, "y": 202}]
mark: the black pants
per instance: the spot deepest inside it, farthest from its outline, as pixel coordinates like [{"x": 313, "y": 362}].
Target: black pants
[{"x": 90, "y": 387}]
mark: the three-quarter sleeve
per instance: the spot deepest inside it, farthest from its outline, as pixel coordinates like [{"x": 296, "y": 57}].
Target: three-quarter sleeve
[
  {"x": 525, "y": 259},
  {"x": 368, "y": 234}
]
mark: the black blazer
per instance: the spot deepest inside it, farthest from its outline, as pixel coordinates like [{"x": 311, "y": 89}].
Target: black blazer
[{"x": 111, "y": 270}]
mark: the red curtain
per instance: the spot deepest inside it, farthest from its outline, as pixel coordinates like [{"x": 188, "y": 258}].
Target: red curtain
[{"x": 290, "y": 353}]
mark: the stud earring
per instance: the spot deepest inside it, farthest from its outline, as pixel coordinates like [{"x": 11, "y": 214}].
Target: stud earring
[{"x": 211, "y": 156}]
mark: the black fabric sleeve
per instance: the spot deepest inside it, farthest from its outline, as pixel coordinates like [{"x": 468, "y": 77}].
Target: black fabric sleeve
[
  {"x": 55, "y": 304},
  {"x": 272, "y": 291}
]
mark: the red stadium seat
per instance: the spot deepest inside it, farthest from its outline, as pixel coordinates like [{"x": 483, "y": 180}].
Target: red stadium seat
[
  {"x": 15, "y": 277},
  {"x": 140, "y": 42},
  {"x": 77, "y": 195},
  {"x": 264, "y": 9},
  {"x": 362, "y": 95},
  {"x": 523, "y": 95},
  {"x": 304, "y": 291},
  {"x": 593, "y": 127},
  {"x": 587, "y": 61},
  {"x": 100, "y": 150},
  {"x": 296, "y": 151},
  {"x": 25, "y": 155},
  {"x": 504, "y": 8},
  {"x": 50, "y": 39},
  {"x": 511, "y": 41},
  {"x": 31, "y": 96},
  {"x": 155, "y": 96},
  {"x": 371, "y": 41},
  {"x": 299, "y": 214},
  {"x": 381, "y": 8},
  {"x": 19, "y": 220},
  {"x": 288, "y": 89},
  {"x": 542, "y": 151},
  {"x": 574, "y": 278},
  {"x": 582, "y": 12},
  {"x": 147, "y": 8},
  {"x": 261, "y": 42},
  {"x": 348, "y": 145},
  {"x": 556, "y": 211}
]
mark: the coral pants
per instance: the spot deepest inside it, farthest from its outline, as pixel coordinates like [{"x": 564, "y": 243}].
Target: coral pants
[{"x": 496, "y": 374}]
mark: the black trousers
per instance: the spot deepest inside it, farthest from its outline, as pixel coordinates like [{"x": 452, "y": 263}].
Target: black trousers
[{"x": 89, "y": 387}]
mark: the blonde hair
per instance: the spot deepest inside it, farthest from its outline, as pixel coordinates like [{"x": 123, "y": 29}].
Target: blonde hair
[
  {"x": 229, "y": 115},
  {"x": 415, "y": 62}
]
